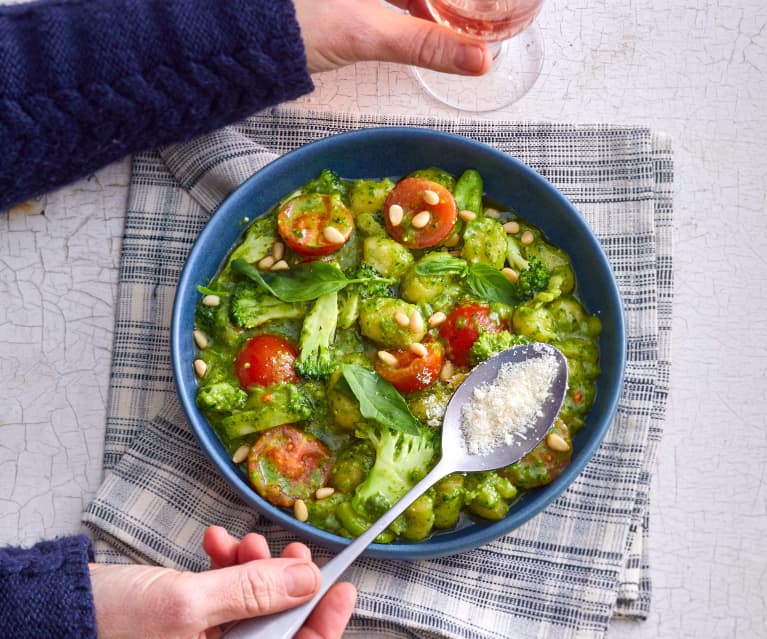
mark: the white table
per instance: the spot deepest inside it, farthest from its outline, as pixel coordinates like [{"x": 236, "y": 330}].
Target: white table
[{"x": 698, "y": 73}]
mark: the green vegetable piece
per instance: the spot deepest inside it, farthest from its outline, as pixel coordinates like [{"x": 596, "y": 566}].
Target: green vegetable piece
[
  {"x": 315, "y": 349},
  {"x": 379, "y": 400},
  {"x": 401, "y": 461},
  {"x": 468, "y": 192},
  {"x": 258, "y": 241},
  {"x": 221, "y": 396},
  {"x": 489, "y": 344},
  {"x": 484, "y": 242},
  {"x": 434, "y": 174},
  {"x": 387, "y": 256},
  {"x": 266, "y": 408},
  {"x": 367, "y": 196},
  {"x": 251, "y": 307}
]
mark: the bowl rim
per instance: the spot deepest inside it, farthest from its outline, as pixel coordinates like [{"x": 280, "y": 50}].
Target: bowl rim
[{"x": 446, "y": 543}]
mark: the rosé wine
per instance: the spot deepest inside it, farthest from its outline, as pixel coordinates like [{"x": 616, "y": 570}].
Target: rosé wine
[{"x": 490, "y": 20}]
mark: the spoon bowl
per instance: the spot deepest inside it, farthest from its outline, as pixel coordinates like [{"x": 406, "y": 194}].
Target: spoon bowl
[{"x": 455, "y": 458}]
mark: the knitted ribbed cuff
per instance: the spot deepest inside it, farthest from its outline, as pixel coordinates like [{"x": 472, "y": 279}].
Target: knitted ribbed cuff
[{"x": 45, "y": 590}]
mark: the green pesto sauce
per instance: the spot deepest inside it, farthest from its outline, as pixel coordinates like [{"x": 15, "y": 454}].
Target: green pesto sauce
[{"x": 369, "y": 325}]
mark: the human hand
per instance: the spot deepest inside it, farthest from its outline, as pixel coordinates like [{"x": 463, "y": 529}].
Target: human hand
[
  {"x": 341, "y": 32},
  {"x": 244, "y": 581}
]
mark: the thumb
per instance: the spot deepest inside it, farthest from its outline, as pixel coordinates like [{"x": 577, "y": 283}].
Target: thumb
[{"x": 254, "y": 588}]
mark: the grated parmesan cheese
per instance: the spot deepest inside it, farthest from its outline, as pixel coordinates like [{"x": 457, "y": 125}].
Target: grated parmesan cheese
[{"x": 502, "y": 410}]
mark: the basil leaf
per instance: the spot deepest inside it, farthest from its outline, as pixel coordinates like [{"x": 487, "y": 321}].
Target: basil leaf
[
  {"x": 302, "y": 283},
  {"x": 243, "y": 267},
  {"x": 489, "y": 283},
  {"x": 447, "y": 265},
  {"x": 305, "y": 282},
  {"x": 379, "y": 400}
]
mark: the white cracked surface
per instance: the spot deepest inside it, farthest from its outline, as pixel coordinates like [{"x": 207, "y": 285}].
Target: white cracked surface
[{"x": 695, "y": 70}]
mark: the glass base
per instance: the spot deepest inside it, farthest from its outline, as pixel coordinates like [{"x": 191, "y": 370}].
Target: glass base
[{"x": 516, "y": 66}]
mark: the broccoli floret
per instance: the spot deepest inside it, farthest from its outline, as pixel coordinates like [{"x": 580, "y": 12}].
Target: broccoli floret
[
  {"x": 368, "y": 282},
  {"x": 250, "y": 306},
  {"x": 315, "y": 355},
  {"x": 532, "y": 279},
  {"x": 401, "y": 461},
  {"x": 221, "y": 396},
  {"x": 326, "y": 182},
  {"x": 372, "y": 284},
  {"x": 489, "y": 344}
]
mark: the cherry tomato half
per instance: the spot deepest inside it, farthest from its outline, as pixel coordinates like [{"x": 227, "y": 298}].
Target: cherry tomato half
[
  {"x": 413, "y": 372},
  {"x": 285, "y": 464},
  {"x": 439, "y": 223},
  {"x": 315, "y": 223},
  {"x": 462, "y": 327},
  {"x": 266, "y": 360}
]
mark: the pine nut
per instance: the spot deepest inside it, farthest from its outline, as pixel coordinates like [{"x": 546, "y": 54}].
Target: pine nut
[
  {"x": 510, "y": 274},
  {"x": 437, "y": 319},
  {"x": 466, "y": 215},
  {"x": 527, "y": 238},
  {"x": 278, "y": 251},
  {"x": 556, "y": 442},
  {"x": 402, "y": 319},
  {"x": 240, "y": 455},
  {"x": 430, "y": 197},
  {"x": 447, "y": 371},
  {"x": 511, "y": 227},
  {"x": 420, "y": 220},
  {"x": 282, "y": 265},
  {"x": 200, "y": 367},
  {"x": 416, "y": 322},
  {"x": 265, "y": 263},
  {"x": 324, "y": 492},
  {"x": 300, "y": 510},
  {"x": 396, "y": 213},
  {"x": 387, "y": 358},
  {"x": 493, "y": 213},
  {"x": 211, "y": 300},
  {"x": 201, "y": 339},
  {"x": 418, "y": 349},
  {"x": 333, "y": 235}
]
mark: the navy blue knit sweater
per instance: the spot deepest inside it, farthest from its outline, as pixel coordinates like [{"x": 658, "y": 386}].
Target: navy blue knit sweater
[
  {"x": 45, "y": 591},
  {"x": 87, "y": 82}
]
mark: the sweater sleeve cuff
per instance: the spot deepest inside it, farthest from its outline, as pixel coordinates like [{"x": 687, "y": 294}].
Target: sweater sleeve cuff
[{"x": 45, "y": 590}]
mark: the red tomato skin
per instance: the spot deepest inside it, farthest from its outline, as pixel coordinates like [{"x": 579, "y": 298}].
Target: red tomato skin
[
  {"x": 462, "y": 327},
  {"x": 303, "y": 229},
  {"x": 285, "y": 464},
  {"x": 266, "y": 360},
  {"x": 413, "y": 372},
  {"x": 408, "y": 193}
]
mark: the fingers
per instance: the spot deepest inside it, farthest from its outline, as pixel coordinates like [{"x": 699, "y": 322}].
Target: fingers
[
  {"x": 331, "y": 615},
  {"x": 297, "y": 551},
  {"x": 339, "y": 32},
  {"x": 426, "y": 44},
  {"x": 225, "y": 550},
  {"x": 253, "y": 589}
]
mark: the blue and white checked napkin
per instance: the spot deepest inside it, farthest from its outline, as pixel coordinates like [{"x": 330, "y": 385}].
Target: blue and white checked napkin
[{"x": 567, "y": 572}]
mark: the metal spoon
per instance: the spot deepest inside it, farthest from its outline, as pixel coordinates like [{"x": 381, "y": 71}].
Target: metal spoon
[{"x": 455, "y": 458}]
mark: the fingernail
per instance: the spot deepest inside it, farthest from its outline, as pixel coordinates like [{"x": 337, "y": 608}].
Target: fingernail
[
  {"x": 470, "y": 58},
  {"x": 300, "y": 580}
]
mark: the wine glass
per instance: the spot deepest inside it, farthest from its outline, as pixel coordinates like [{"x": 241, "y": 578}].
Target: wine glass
[{"x": 514, "y": 41}]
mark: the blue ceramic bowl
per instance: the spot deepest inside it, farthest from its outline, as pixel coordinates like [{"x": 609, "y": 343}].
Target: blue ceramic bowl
[{"x": 374, "y": 153}]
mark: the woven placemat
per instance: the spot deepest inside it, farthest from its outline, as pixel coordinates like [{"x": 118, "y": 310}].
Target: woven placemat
[{"x": 565, "y": 573}]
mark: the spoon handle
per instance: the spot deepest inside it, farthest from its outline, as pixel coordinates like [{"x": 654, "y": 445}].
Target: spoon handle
[{"x": 285, "y": 624}]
